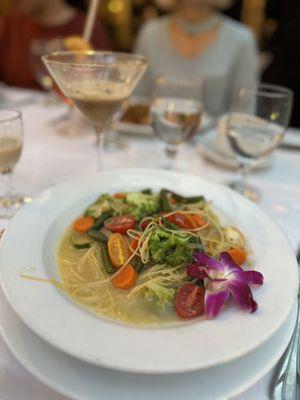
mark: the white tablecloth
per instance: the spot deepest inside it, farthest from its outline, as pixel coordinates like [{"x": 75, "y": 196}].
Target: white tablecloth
[{"x": 49, "y": 157}]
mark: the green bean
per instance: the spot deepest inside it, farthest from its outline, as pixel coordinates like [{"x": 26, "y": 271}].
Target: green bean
[
  {"x": 97, "y": 235},
  {"x": 138, "y": 264},
  {"x": 146, "y": 191},
  {"x": 163, "y": 200},
  {"x": 100, "y": 221},
  {"x": 105, "y": 258},
  {"x": 187, "y": 200}
]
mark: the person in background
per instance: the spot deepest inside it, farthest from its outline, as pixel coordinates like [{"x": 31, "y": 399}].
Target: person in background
[
  {"x": 38, "y": 19},
  {"x": 284, "y": 68},
  {"x": 196, "y": 42}
]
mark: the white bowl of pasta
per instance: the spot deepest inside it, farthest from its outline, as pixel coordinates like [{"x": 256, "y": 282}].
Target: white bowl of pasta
[{"x": 153, "y": 282}]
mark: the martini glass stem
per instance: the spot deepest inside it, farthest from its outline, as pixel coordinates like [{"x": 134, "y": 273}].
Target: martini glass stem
[
  {"x": 8, "y": 183},
  {"x": 99, "y": 144},
  {"x": 244, "y": 174},
  {"x": 171, "y": 151},
  {"x": 242, "y": 186}
]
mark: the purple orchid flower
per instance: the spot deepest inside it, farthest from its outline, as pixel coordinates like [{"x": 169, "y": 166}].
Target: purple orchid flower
[{"x": 224, "y": 278}]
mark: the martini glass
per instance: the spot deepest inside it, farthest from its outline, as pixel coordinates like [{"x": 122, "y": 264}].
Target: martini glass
[{"x": 97, "y": 82}]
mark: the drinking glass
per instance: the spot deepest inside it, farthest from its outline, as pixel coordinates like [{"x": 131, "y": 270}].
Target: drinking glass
[
  {"x": 68, "y": 123},
  {"x": 256, "y": 125},
  {"x": 39, "y": 48},
  {"x": 11, "y": 142},
  {"x": 98, "y": 83},
  {"x": 176, "y": 112}
]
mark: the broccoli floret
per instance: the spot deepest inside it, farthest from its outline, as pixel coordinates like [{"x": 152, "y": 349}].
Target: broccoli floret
[
  {"x": 141, "y": 205},
  {"x": 171, "y": 248},
  {"x": 159, "y": 294}
]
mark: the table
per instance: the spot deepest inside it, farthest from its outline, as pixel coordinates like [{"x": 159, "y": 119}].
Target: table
[{"x": 50, "y": 157}]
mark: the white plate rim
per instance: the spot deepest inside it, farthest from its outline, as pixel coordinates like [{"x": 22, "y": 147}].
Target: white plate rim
[
  {"x": 44, "y": 377},
  {"x": 31, "y": 322}
]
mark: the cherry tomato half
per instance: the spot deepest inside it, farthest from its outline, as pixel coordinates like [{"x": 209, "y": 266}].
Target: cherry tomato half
[
  {"x": 198, "y": 220},
  {"x": 189, "y": 302},
  {"x": 120, "y": 195},
  {"x": 121, "y": 224},
  {"x": 145, "y": 223},
  {"x": 184, "y": 221},
  {"x": 118, "y": 250}
]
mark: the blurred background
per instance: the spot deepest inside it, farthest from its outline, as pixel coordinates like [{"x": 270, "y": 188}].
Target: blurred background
[{"x": 274, "y": 23}]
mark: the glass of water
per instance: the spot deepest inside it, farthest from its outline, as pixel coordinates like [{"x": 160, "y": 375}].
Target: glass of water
[
  {"x": 11, "y": 143},
  {"x": 176, "y": 112},
  {"x": 256, "y": 125}
]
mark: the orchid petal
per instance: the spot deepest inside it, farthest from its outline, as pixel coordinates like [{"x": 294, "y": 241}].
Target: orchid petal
[
  {"x": 242, "y": 294},
  {"x": 201, "y": 258},
  {"x": 254, "y": 277},
  {"x": 196, "y": 271},
  {"x": 228, "y": 262},
  {"x": 249, "y": 277},
  {"x": 209, "y": 262},
  {"x": 214, "y": 302},
  {"x": 224, "y": 277}
]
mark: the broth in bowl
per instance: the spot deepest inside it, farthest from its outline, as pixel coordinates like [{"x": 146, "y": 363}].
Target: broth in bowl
[{"x": 152, "y": 259}]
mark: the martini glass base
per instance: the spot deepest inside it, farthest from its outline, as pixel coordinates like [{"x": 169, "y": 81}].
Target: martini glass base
[
  {"x": 9, "y": 205},
  {"x": 248, "y": 191},
  {"x": 112, "y": 141}
]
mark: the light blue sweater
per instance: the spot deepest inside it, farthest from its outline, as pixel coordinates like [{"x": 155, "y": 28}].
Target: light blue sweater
[{"x": 229, "y": 62}]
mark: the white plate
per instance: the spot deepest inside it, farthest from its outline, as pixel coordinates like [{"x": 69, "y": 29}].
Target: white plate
[
  {"x": 83, "y": 381},
  {"x": 31, "y": 240}
]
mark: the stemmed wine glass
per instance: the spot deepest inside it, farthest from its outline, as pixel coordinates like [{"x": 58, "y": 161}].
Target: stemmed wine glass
[
  {"x": 176, "y": 112},
  {"x": 11, "y": 143},
  {"x": 256, "y": 125},
  {"x": 97, "y": 82},
  {"x": 68, "y": 123},
  {"x": 39, "y": 48}
]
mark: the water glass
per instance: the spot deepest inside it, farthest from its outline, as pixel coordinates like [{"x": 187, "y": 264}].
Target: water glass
[
  {"x": 176, "y": 112},
  {"x": 256, "y": 125}
]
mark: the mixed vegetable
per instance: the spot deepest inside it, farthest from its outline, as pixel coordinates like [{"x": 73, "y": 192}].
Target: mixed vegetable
[{"x": 169, "y": 250}]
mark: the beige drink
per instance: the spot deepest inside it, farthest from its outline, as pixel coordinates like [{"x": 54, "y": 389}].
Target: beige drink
[
  {"x": 10, "y": 151},
  {"x": 99, "y": 101}
]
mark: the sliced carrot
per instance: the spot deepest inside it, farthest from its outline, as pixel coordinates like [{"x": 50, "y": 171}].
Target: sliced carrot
[
  {"x": 83, "y": 224},
  {"x": 198, "y": 221},
  {"x": 119, "y": 195},
  {"x": 133, "y": 245},
  {"x": 238, "y": 255},
  {"x": 126, "y": 278}
]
